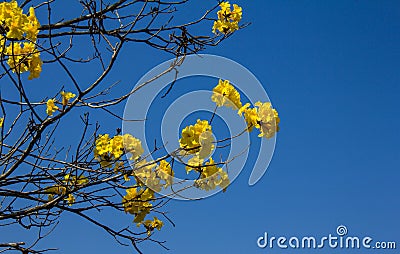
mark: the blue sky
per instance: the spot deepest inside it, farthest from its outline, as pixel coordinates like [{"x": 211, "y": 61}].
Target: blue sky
[{"x": 331, "y": 68}]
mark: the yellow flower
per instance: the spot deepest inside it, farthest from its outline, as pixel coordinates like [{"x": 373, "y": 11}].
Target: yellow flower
[
  {"x": 200, "y": 127},
  {"x": 250, "y": 116},
  {"x": 150, "y": 225},
  {"x": 1, "y": 121},
  {"x": 26, "y": 58},
  {"x": 136, "y": 203},
  {"x": 263, "y": 117},
  {"x": 210, "y": 169},
  {"x": 268, "y": 119},
  {"x": 190, "y": 140},
  {"x": 70, "y": 199},
  {"x": 236, "y": 14},
  {"x": 2, "y": 42},
  {"x": 73, "y": 180},
  {"x": 143, "y": 169},
  {"x": 19, "y": 27},
  {"x": 16, "y": 59},
  {"x": 108, "y": 150},
  {"x": 225, "y": 6},
  {"x": 66, "y": 96},
  {"x": 51, "y": 107},
  {"x": 194, "y": 163},
  {"x": 228, "y": 19},
  {"x": 146, "y": 195},
  {"x": 221, "y": 26},
  {"x": 59, "y": 190},
  {"x": 133, "y": 146},
  {"x": 16, "y": 23},
  {"x": 224, "y": 94},
  {"x": 188, "y": 137},
  {"x": 117, "y": 146},
  {"x": 206, "y": 142},
  {"x": 32, "y": 25},
  {"x": 35, "y": 65},
  {"x": 212, "y": 176},
  {"x": 15, "y": 28},
  {"x": 147, "y": 174},
  {"x": 126, "y": 178},
  {"x": 165, "y": 172}
]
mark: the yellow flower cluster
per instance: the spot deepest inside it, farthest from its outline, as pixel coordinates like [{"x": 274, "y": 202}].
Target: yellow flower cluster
[
  {"x": 198, "y": 141},
  {"x": 228, "y": 19},
  {"x": 109, "y": 150},
  {"x": 211, "y": 176},
  {"x": 55, "y": 190},
  {"x": 224, "y": 94},
  {"x": 66, "y": 97},
  {"x": 69, "y": 180},
  {"x": 25, "y": 58},
  {"x": 165, "y": 173},
  {"x": 16, "y": 26},
  {"x": 1, "y": 121},
  {"x": 74, "y": 180},
  {"x": 70, "y": 199},
  {"x": 136, "y": 202},
  {"x": 60, "y": 190},
  {"x": 51, "y": 107},
  {"x": 152, "y": 175},
  {"x": 51, "y": 103},
  {"x": 263, "y": 117},
  {"x": 150, "y": 225},
  {"x": 193, "y": 135}
]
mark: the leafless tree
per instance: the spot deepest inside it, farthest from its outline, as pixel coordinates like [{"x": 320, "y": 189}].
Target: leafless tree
[{"x": 31, "y": 157}]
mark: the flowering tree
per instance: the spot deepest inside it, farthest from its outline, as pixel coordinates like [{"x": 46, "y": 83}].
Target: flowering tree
[{"x": 41, "y": 178}]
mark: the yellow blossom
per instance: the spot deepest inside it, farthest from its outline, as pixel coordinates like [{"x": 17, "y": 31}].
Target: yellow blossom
[
  {"x": 51, "y": 107},
  {"x": 190, "y": 140},
  {"x": 55, "y": 190},
  {"x": 194, "y": 163},
  {"x": 268, "y": 119},
  {"x": 66, "y": 96},
  {"x": 150, "y": 225},
  {"x": 250, "y": 116},
  {"x": 228, "y": 19},
  {"x": 212, "y": 176},
  {"x": 59, "y": 190},
  {"x": 147, "y": 175},
  {"x": 236, "y": 14},
  {"x": 73, "y": 180},
  {"x": 70, "y": 199},
  {"x": 21, "y": 31},
  {"x": 224, "y": 94},
  {"x": 206, "y": 140},
  {"x": 31, "y": 27},
  {"x": 136, "y": 203},
  {"x": 133, "y": 146},
  {"x": 1, "y": 121},
  {"x": 109, "y": 150},
  {"x": 263, "y": 117},
  {"x": 26, "y": 58},
  {"x": 165, "y": 172}
]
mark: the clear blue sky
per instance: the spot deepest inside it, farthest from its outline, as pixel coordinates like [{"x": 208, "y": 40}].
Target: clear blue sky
[{"x": 331, "y": 68}]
